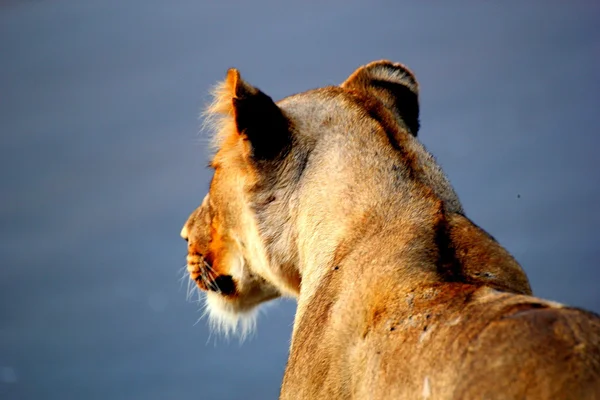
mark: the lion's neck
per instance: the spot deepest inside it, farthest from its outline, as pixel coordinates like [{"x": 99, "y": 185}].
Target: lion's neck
[
  {"x": 404, "y": 256},
  {"x": 394, "y": 250}
]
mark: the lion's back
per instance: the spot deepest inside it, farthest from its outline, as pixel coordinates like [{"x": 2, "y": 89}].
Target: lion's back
[
  {"x": 540, "y": 352},
  {"x": 462, "y": 342},
  {"x": 500, "y": 346}
]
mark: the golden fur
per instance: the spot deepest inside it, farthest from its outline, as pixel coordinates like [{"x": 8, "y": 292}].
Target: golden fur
[{"x": 329, "y": 197}]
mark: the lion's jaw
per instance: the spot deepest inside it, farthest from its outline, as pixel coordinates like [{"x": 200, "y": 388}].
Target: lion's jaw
[
  {"x": 231, "y": 267},
  {"x": 234, "y": 313}
]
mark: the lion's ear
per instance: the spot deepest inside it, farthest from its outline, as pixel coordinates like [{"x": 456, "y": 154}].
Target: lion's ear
[
  {"x": 394, "y": 85},
  {"x": 258, "y": 118}
]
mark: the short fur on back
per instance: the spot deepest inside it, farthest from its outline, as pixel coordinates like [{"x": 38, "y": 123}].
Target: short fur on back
[{"x": 329, "y": 197}]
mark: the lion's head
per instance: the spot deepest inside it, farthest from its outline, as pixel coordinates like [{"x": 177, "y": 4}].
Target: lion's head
[{"x": 297, "y": 180}]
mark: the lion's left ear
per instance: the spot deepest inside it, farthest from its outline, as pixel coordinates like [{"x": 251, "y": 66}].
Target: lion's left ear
[
  {"x": 392, "y": 84},
  {"x": 258, "y": 118}
]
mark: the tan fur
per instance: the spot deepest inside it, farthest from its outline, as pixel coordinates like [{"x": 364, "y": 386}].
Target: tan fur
[{"x": 329, "y": 197}]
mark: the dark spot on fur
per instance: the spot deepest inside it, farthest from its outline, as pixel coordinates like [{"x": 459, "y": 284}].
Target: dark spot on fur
[
  {"x": 447, "y": 264},
  {"x": 468, "y": 297},
  {"x": 425, "y": 328},
  {"x": 393, "y": 328},
  {"x": 300, "y": 157},
  {"x": 336, "y": 268},
  {"x": 327, "y": 121}
]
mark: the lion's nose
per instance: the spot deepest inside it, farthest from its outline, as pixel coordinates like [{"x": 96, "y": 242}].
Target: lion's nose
[
  {"x": 223, "y": 284},
  {"x": 184, "y": 233}
]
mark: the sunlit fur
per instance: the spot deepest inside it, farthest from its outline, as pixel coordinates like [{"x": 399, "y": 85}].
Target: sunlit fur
[
  {"x": 227, "y": 320},
  {"x": 218, "y": 116},
  {"x": 329, "y": 197}
]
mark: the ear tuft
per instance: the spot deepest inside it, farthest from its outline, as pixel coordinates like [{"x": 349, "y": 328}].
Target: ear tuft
[{"x": 394, "y": 85}]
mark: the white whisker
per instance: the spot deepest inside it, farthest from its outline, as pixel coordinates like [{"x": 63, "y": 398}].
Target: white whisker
[
  {"x": 184, "y": 274},
  {"x": 212, "y": 275},
  {"x": 190, "y": 289}
]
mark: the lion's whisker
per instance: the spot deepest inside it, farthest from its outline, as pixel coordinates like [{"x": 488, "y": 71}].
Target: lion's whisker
[
  {"x": 184, "y": 274},
  {"x": 213, "y": 284},
  {"x": 190, "y": 291}
]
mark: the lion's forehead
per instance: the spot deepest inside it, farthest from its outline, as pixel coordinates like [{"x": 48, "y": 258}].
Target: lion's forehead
[{"x": 321, "y": 107}]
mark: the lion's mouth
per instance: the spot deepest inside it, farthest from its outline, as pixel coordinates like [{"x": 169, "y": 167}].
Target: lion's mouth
[
  {"x": 223, "y": 284},
  {"x": 207, "y": 280}
]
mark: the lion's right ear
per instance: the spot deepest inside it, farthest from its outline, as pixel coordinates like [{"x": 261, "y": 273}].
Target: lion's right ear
[
  {"x": 258, "y": 118},
  {"x": 392, "y": 84}
]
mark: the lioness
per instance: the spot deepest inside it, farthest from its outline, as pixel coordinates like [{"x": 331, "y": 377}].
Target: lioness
[{"x": 328, "y": 196}]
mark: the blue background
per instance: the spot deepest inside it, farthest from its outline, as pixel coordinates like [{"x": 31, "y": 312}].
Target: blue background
[{"x": 101, "y": 162}]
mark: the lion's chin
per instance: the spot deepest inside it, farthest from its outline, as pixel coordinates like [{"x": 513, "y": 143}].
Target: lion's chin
[{"x": 229, "y": 316}]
